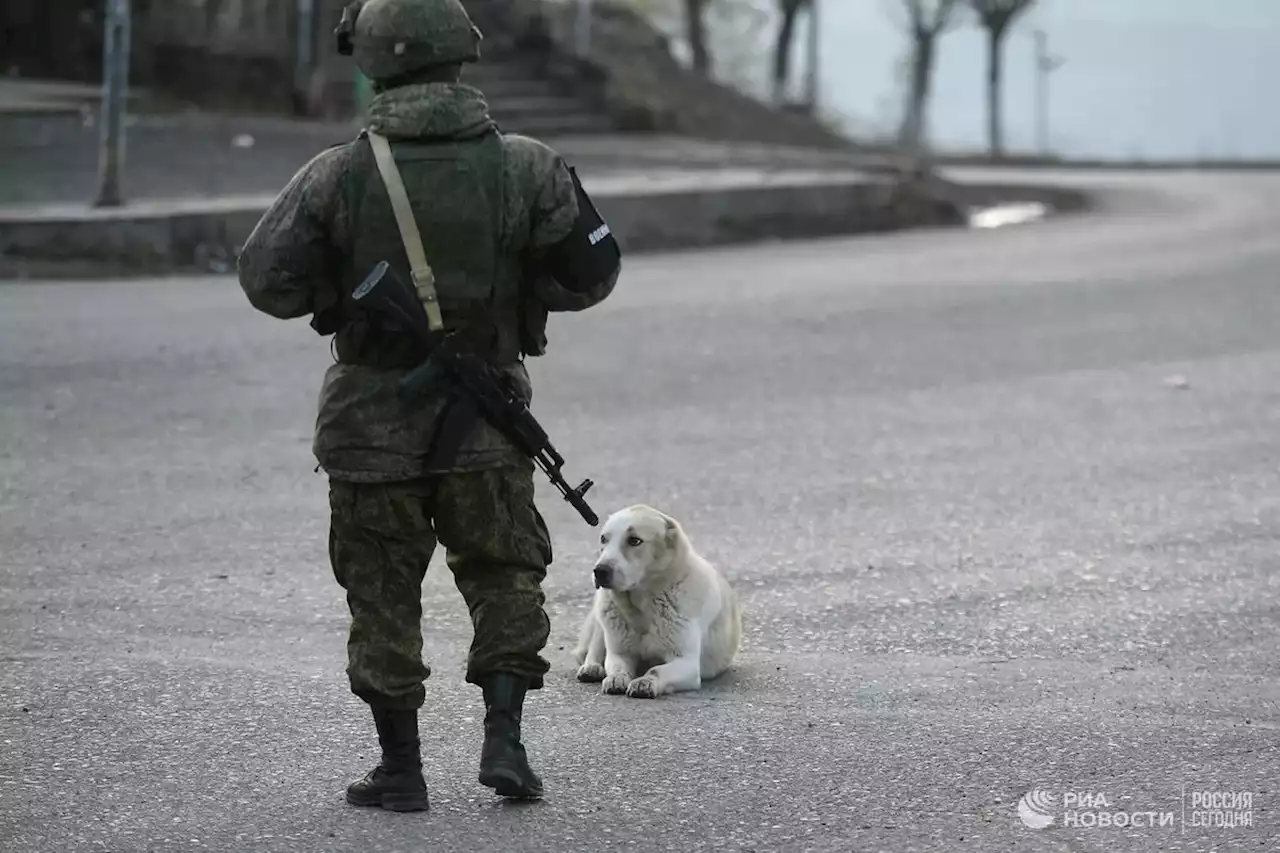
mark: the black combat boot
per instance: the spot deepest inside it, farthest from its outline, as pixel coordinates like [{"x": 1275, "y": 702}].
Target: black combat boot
[
  {"x": 503, "y": 764},
  {"x": 396, "y": 783}
]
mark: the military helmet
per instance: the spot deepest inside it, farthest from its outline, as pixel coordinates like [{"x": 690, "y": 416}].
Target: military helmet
[{"x": 388, "y": 38}]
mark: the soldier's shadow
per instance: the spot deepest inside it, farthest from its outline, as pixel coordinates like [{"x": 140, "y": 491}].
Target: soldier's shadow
[{"x": 506, "y": 804}]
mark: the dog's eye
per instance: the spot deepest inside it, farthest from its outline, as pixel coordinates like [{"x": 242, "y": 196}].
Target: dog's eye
[
  {"x": 603, "y": 539},
  {"x": 635, "y": 541}
]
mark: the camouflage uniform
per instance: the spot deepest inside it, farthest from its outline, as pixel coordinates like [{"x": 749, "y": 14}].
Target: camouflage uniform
[
  {"x": 381, "y": 539},
  {"x": 391, "y": 503}
]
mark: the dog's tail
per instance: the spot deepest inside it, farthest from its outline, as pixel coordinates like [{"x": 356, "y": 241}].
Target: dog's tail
[{"x": 736, "y": 618}]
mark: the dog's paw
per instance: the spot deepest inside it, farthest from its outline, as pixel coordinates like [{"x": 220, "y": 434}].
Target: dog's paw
[
  {"x": 644, "y": 687},
  {"x": 615, "y": 684},
  {"x": 591, "y": 672}
]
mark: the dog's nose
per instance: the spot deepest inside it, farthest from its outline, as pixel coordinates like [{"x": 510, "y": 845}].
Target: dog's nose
[{"x": 602, "y": 575}]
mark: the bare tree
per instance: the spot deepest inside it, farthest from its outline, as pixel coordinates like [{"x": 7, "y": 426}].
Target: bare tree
[
  {"x": 212, "y": 11},
  {"x": 696, "y": 24},
  {"x": 722, "y": 36},
  {"x": 789, "y": 9},
  {"x": 926, "y": 20},
  {"x": 996, "y": 17}
]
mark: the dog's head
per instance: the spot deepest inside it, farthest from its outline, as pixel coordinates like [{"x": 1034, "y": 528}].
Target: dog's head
[{"x": 636, "y": 543}]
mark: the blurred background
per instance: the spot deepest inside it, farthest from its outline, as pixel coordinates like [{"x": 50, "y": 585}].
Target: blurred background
[{"x": 1133, "y": 79}]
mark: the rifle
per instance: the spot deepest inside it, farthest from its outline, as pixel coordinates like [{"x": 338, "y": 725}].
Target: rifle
[{"x": 385, "y": 293}]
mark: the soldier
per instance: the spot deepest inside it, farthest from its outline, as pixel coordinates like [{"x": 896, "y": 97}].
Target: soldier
[{"x": 507, "y": 235}]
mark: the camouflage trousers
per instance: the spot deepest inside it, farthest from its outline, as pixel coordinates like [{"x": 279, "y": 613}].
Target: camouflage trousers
[{"x": 381, "y": 537}]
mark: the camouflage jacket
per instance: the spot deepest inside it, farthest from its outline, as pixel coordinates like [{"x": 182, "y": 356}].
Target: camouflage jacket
[{"x": 292, "y": 262}]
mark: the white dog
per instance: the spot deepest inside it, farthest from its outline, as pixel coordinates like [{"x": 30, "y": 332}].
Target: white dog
[{"x": 664, "y": 619}]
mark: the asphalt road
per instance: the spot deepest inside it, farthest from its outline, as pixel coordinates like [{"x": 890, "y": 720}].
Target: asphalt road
[{"x": 987, "y": 540}]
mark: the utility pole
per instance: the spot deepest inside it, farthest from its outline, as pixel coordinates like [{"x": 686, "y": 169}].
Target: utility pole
[
  {"x": 582, "y": 28},
  {"x": 115, "y": 85},
  {"x": 813, "y": 57},
  {"x": 1045, "y": 65},
  {"x": 304, "y": 61}
]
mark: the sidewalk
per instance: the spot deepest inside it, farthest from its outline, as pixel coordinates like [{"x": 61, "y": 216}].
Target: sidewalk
[
  {"x": 54, "y": 157},
  {"x": 23, "y": 96},
  {"x": 195, "y": 184}
]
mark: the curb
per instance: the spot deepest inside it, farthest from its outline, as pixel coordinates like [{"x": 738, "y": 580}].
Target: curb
[
  {"x": 39, "y": 108},
  {"x": 670, "y": 212}
]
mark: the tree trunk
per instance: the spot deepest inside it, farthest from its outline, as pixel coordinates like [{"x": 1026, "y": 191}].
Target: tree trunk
[
  {"x": 697, "y": 35},
  {"x": 913, "y": 126},
  {"x": 782, "y": 51},
  {"x": 995, "y": 135},
  {"x": 212, "y": 9}
]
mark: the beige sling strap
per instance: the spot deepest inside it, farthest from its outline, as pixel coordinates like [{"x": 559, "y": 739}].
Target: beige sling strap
[{"x": 424, "y": 280}]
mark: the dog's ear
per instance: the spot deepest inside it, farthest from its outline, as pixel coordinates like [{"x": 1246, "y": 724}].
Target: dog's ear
[{"x": 671, "y": 532}]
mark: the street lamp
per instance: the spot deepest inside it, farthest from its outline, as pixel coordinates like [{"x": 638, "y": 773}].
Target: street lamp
[
  {"x": 813, "y": 58},
  {"x": 1045, "y": 65}
]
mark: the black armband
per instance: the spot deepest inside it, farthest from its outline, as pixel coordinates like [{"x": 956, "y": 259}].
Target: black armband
[
  {"x": 327, "y": 321},
  {"x": 589, "y": 255},
  {"x": 326, "y": 312}
]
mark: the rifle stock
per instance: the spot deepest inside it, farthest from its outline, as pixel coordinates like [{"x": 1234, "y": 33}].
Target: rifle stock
[{"x": 385, "y": 293}]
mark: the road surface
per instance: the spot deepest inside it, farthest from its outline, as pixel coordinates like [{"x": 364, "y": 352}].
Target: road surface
[{"x": 1004, "y": 509}]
